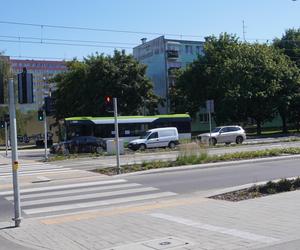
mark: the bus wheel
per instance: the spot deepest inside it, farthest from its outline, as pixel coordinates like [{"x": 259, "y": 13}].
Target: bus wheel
[
  {"x": 142, "y": 147},
  {"x": 172, "y": 145}
]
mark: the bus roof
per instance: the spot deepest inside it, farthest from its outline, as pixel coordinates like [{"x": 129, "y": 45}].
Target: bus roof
[
  {"x": 87, "y": 118},
  {"x": 127, "y": 119}
]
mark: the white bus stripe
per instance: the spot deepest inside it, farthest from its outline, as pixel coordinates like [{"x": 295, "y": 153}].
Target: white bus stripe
[
  {"x": 97, "y": 203},
  {"x": 86, "y": 196},
  {"x": 85, "y": 184},
  {"x": 74, "y": 191}
]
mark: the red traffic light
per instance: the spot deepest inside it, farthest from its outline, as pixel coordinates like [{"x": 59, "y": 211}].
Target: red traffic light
[{"x": 108, "y": 99}]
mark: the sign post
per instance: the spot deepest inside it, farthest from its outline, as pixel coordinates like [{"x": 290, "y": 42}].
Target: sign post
[
  {"x": 14, "y": 153},
  {"x": 117, "y": 134},
  {"x": 46, "y": 135},
  {"x": 210, "y": 109},
  {"x": 6, "y": 139}
]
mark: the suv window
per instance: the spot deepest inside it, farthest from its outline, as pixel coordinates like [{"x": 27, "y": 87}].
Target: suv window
[
  {"x": 232, "y": 129},
  {"x": 225, "y": 130},
  {"x": 153, "y": 135}
]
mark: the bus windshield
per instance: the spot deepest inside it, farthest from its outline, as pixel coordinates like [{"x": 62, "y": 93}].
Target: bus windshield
[{"x": 145, "y": 135}]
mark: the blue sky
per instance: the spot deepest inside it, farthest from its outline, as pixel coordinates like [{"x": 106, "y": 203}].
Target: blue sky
[{"x": 264, "y": 19}]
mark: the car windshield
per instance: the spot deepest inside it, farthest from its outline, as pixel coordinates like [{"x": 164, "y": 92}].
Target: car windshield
[
  {"x": 145, "y": 135},
  {"x": 215, "y": 130}
]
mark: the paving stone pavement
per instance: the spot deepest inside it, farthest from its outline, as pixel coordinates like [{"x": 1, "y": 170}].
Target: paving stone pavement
[{"x": 191, "y": 222}]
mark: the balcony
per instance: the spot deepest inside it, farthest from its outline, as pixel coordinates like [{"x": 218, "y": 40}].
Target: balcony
[
  {"x": 172, "y": 71},
  {"x": 172, "y": 54}
]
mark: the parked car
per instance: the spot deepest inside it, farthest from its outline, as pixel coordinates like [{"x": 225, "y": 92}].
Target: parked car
[
  {"x": 156, "y": 138},
  {"x": 80, "y": 144},
  {"x": 225, "y": 134}
]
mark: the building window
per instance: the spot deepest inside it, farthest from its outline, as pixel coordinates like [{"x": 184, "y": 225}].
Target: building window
[
  {"x": 188, "y": 49},
  {"x": 203, "y": 118},
  {"x": 198, "y": 50}
]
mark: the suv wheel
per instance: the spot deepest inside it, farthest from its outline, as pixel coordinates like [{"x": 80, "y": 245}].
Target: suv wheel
[
  {"x": 239, "y": 140},
  {"x": 142, "y": 147},
  {"x": 213, "y": 141}
]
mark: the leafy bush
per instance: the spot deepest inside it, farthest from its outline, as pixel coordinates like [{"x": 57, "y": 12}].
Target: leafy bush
[
  {"x": 284, "y": 185},
  {"x": 296, "y": 183}
]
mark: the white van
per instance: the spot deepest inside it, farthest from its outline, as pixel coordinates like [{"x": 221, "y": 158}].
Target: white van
[{"x": 156, "y": 138}]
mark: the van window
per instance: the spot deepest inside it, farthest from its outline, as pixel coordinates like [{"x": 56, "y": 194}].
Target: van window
[
  {"x": 153, "y": 136},
  {"x": 166, "y": 133}
]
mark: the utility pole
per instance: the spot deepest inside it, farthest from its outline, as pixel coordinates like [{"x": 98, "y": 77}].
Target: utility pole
[
  {"x": 6, "y": 138},
  {"x": 244, "y": 31},
  {"x": 115, "y": 102},
  {"x": 46, "y": 134},
  {"x": 14, "y": 153}
]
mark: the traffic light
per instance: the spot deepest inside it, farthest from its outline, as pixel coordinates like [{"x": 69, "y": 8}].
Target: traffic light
[
  {"x": 1, "y": 89},
  {"x": 6, "y": 118},
  {"x": 40, "y": 115},
  {"x": 25, "y": 87},
  {"x": 108, "y": 102},
  {"x": 2, "y": 124},
  {"x": 49, "y": 105}
]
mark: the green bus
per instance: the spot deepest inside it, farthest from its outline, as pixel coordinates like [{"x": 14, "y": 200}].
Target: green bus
[{"x": 130, "y": 127}]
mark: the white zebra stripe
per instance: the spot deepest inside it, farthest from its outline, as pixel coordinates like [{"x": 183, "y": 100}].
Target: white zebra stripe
[{"x": 97, "y": 203}]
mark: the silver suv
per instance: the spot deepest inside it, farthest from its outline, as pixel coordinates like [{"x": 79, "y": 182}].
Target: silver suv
[{"x": 226, "y": 134}]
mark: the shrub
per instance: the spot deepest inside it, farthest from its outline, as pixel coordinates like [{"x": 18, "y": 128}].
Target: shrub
[
  {"x": 269, "y": 188},
  {"x": 284, "y": 185},
  {"x": 296, "y": 183}
]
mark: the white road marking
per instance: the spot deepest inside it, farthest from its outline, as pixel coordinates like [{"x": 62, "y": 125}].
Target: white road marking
[
  {"x": 97, "y": 203},
  {"x": 85, "y": 184},
  {"x": 223, "y": 230},
  {"x": 25, "y": 172},
  {"x": 74, "y": 191},
  {"x": 87, "y": 196}
]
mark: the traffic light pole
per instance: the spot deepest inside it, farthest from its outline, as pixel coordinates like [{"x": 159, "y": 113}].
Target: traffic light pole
[
  {"x": 6, "y": 139},
  {"x": 117, "y": 135},
  {"x": 14, "y": 153},
  {"x": 46, "y": 135}
]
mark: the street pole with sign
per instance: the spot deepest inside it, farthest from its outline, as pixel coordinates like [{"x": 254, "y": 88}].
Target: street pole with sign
[
  {"x": 14, "y": 153},
  {"x": 115, "y": 102},
  {"x": 210, "y": 109},
  {"x": 6, "y": 139},
  {"x": 46, "y": 135}
]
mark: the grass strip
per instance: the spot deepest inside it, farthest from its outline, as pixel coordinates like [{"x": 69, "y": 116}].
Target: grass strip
[{"x": 200, "y": 158}]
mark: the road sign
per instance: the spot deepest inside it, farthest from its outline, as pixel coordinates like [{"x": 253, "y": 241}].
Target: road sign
[{"x": 210, "y": 106}]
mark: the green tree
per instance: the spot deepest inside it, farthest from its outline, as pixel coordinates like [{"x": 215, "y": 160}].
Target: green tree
[
  {"x": 289, "y": 43},
  {"x": 245, "y": 81},
  {"x": 81, "y": 90}
]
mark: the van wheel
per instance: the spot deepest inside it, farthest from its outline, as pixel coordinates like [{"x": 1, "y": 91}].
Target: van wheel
[
  {"x": 213, "y": 141},
  {"x": 172, "y": 145},
  {"x": 142, "y": 147},
  {"x": 239, "y": 140},
  {"x": 99, "y": 150}
]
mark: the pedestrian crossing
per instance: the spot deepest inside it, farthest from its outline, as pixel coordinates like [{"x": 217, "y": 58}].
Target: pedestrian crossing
[
  {"x": 34, "y": 168},
  {"x": 60, "y": 199}
]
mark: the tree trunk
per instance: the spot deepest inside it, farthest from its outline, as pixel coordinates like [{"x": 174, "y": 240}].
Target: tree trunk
[
  {"x": 258, "y": 127},
  {"x": 284, "y": 124}
]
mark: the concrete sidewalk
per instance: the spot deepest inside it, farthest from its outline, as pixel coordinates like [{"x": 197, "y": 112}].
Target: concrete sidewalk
[{"x": 192, "y": 222}]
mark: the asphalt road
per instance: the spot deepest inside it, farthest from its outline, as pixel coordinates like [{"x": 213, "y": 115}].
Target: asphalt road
[
  {"x": 195, "y": 180},
  {"x": 77, "y": 195}
]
